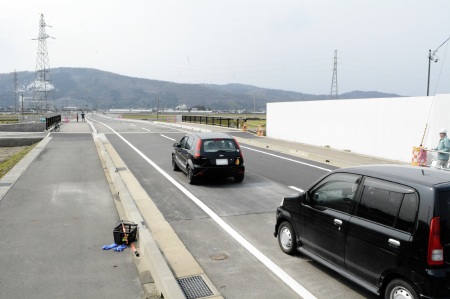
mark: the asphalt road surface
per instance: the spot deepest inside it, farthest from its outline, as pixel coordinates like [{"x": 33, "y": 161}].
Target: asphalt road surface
[{"x": 238, "y": 251}]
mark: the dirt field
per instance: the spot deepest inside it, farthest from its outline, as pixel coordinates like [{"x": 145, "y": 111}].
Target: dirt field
[{"x": 7, "y": 152}]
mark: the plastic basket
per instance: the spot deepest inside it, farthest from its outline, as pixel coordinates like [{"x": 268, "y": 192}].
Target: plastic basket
[{"x": 121, "y": 237}]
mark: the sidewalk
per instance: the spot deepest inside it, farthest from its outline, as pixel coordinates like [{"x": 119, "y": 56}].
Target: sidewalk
[{"x": 57, "y": 212}]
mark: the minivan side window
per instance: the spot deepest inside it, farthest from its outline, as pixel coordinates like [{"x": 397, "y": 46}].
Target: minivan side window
[
  {"x": 388, "y": 204},
  {"x": 336, "y": 192}
]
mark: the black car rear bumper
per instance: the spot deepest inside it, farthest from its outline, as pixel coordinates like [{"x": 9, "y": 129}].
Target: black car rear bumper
[{"x": 229, "y": 171}]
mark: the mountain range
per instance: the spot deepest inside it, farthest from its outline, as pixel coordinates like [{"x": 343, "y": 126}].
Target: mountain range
[{"x": 84, "y": 87}]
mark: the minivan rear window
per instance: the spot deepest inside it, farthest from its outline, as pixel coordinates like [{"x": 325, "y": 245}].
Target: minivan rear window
[
  {"x": 388, "y": 204},
  {"x": 215, "y": 145}
]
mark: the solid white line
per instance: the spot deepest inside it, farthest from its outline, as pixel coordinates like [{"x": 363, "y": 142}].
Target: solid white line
[
  {"x": 146, "y": 129},
  {"x": 297, "y": 189},
  {"x": 294, "y": 285},
  {"x": 292, "y": 160},
  {"x": 167, "y": 137}
]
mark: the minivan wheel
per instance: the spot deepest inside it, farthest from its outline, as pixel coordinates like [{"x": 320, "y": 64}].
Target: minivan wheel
[
  {"x": 190, "y": 175},
  {"x": 174, "y": 164},
  {"x": 400, "y": 289},
  {"x": 286, "y": 238}
]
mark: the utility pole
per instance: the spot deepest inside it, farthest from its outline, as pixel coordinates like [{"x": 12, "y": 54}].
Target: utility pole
[
  {"x": 43, "y": 87},
  {"x": 254, "y": 105},
  {"x": 433, "y": 57},
  {"x": 334, "y": 82},
  {"x": 15, "y": 91}
]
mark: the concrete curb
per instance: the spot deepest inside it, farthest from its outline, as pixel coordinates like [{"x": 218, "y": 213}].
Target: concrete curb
[{"x": 166, "y": 284}]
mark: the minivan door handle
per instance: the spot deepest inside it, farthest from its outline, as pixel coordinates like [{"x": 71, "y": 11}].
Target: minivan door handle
[
  {"x": 337, "y": 222},
  {"x": 394, "y": 243}
]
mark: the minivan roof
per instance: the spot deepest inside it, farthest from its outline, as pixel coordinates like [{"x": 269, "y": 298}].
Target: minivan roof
[{"x": 402, "y": 173}]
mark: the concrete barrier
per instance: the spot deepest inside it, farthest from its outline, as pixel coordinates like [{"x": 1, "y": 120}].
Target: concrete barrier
[
  {"x": 18, "y": 141},
  {"x": 23, "y": 127},
  {"x": 166, "y": 283}
]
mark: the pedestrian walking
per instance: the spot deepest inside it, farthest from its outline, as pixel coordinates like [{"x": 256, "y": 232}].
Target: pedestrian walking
[
  {"x": 82, "y": 116},
  {"x": 443, "y": 146},
  {"x": 77, "y": 116}
]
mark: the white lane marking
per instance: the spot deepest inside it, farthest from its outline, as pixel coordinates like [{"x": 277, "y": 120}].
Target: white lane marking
[
  {"x": 292, "y": 283},
  {"x": 146, "y": 129},
  {"x": 133, "y": 125},
  {"x": 292, "y": 160},
  {"x": 297, "y": 189},
  {"x": 167, "y": 137}
]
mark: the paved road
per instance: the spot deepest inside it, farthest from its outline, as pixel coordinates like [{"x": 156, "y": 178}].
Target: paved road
[{"x": 246, "y": 209}]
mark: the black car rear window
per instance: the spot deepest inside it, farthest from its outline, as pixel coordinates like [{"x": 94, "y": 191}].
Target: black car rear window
[
  {"x": 215, "y": 145},
  {"x": 444, "y": 205}
]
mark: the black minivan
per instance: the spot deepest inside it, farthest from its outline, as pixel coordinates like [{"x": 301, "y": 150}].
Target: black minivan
[
  {"x": 208, "y": 154},
  {"x": 385, "y": 227}
]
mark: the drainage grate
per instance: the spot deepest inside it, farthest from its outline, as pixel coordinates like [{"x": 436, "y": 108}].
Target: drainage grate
[
  {"x": 5, "y": 184},
  {"x": 194, "y": 287},
  {"x": 120, "y": 169}
]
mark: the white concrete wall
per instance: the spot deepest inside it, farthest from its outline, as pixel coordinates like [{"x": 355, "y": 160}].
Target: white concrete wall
[{"x": 386, "y": 127}]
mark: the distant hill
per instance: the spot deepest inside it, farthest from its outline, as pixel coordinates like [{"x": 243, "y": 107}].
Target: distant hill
[{"x": 83, "y": 87}]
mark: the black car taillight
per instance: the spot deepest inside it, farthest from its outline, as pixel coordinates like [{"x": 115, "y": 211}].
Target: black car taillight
[
  {"x": 435, "y": 249},
  {"x": 197, "y": 149},
  {"x": 239, "y": 148}
]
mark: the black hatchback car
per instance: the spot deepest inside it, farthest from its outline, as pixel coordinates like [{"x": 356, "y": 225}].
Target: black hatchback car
[
  {"x": 208, "y": 154},
  {"x": 385, "y": 227}
]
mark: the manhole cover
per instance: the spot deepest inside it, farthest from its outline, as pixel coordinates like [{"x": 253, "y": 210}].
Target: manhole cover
[{"x": 219, "y": 256}]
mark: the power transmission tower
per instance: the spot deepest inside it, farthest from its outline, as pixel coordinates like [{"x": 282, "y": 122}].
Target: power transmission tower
[
  {"x": 43, "y": 88},
  {"x": 334, "y": 82}
]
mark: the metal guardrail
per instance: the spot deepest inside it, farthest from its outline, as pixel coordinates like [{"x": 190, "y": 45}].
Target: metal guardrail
[
  {"x": 216, "y": 121},
  {"x": 50, "y": 121}
]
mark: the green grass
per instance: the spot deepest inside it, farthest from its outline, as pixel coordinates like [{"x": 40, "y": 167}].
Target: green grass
[{"x": 11, "y": 162}]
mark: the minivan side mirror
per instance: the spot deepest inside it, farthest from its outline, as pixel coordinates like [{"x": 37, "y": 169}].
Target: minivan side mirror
[{"x": 176, "y": 144}]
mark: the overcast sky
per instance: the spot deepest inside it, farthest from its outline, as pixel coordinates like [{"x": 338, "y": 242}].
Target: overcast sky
[{"x": 382, "y": 45}]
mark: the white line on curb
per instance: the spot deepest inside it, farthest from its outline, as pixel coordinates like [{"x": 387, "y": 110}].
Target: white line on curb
[{"x": 294, "y": 285}]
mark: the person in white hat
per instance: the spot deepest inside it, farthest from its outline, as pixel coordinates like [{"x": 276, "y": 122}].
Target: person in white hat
[{"x": 444, "y": 146}]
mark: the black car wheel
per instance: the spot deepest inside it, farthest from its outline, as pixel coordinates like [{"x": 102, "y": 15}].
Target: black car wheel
[
  {"x": 190, "y": 175},
  {"x": 239, "y": 178},
  {"x": 286, "y": 238},
  {"x": 400, "y": 289},
  {"x": 174, "y": 164}
]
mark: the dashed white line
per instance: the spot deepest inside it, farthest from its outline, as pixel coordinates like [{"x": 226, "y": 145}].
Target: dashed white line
[
  {"x": 146, "y": 129},
  {"x": 167, "y": 137},
  {"x": 292, "y": 160},
  {"x": 297, "y": 189},
  {"x": 292, "y": 283}
]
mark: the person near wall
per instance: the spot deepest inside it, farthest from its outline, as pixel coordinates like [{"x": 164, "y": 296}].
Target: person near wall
[{"x": 443, "y": 146}]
